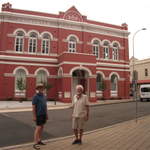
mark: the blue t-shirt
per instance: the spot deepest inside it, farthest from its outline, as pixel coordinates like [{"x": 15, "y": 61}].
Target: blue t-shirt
[{"x": 40, "y": 102}]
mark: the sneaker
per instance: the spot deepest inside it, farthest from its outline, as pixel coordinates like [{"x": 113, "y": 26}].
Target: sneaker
[
  {"x": 41, "y": 143},
  {"x": 75, "y": 141},
  {"x": 36, "y": 146}
]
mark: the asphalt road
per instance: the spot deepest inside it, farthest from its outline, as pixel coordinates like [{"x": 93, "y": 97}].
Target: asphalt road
[{"x": 18, "y": 128}]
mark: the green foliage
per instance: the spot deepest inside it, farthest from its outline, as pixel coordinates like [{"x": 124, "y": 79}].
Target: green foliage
[
  {"x": 20, "y": 84},
  {"x": 102, "y": 86}
]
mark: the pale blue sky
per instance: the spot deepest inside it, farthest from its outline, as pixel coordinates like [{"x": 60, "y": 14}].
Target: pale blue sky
[{"x": 136, "y": 13}]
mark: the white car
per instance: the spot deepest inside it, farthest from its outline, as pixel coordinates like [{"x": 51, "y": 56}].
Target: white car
[{"x": 145, "y": 92}]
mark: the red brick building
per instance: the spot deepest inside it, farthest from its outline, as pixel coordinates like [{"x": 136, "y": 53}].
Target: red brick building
[{"x": 62, "y": 50}]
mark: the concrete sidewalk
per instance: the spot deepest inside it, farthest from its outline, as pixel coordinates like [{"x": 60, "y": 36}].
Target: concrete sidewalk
[
  {"x": 16, "y": 106},
  {"x": 123, "y": 136},
  {"x": 102, "y": 139}
]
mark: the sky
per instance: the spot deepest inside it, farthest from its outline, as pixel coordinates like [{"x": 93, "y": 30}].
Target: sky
[{"x": 136, "y": 13}]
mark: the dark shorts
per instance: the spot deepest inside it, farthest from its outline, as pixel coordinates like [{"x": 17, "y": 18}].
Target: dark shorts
[{"x": 41, "y": 120}]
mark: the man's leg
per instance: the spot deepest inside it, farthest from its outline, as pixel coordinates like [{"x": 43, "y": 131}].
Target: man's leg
[
  {"x": 81, "y": 125},
  {"x": 40, "y": 132},
  {"x": 36, "y": 138},
  {"x": 37, "y": 133},
  {"x": 76, "y": 133},
  {"x": 75, "y": 129},
  {"x": 80, "y": 135}
]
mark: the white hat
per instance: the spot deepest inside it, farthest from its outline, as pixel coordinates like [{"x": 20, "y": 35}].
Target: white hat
[{"x": 39, "y": 85}]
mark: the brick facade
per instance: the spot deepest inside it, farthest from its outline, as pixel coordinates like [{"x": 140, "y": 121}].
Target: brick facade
[{"x": 62, "y": 50}]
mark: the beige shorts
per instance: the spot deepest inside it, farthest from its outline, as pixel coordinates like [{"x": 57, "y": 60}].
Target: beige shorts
[{"x": 78, "y": 123}]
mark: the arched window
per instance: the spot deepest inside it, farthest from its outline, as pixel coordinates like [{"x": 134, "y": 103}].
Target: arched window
[
  {"x": 99, "y": 82},
  {"x": 72, "y": 44},
  {"x": 114, "y": 83},
  {"x": 32, "y": 42},
  {"x": 41, "y": 77},
  {"x": 115, "y": 52},
  {"x": 60, "y": 72},
  {"x": 95, "y": 47},
  {"x": 106, "y": 50},
  {"x": 20, "y": 80},
  {"x": 45, "y": 44},
  {"x": 19, "y": 41}
]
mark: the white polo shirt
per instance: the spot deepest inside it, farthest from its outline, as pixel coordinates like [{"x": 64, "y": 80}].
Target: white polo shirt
[{"x": 79, "y": 106}]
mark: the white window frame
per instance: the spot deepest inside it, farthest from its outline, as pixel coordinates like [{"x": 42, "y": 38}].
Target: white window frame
[
  {"x": 19, "y": 42},
  {"x": 106, "y": 52},
  {"x": 42, "y": 79},
  {"x": 96, "y": 50},
  {"x": 20, "y": 93},
  {"x": 116, "y": 83},
  {"x": 45, "y": 46},
  {"x": 98, "y": 83},
  {"x": 32, "y": 45},
  {"x": 115, "y": 53},
  {"x": 72, "y": 45}
]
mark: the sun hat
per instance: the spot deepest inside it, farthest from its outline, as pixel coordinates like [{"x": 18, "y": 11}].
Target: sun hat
[{"x": 39, "y": 85}]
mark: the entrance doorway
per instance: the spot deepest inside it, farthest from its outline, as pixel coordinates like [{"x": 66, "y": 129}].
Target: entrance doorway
[{"x": 80, "y": 77}]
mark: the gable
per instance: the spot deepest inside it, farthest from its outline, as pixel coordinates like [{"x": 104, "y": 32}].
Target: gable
[{"x": 72, "y": 14}]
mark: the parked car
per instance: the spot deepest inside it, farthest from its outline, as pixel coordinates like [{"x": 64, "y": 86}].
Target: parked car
[{"x": 144, "y": 92}]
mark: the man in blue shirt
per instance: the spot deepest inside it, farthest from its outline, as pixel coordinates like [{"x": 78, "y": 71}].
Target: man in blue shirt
[{"x": 40, "y": 115}]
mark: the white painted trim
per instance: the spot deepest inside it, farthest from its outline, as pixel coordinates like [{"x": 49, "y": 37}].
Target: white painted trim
[
  {"x": 95, "y": 39},
  {"x": 100, "y": 72},
  {"x": 105, "y": 40},
  {"x": 62, "y": 23},
  {"x": 84, "y": 54},
  {"x": 33, "y": 59},
  {"x": 27, "y": 64},
  {"x": 80, "y": 67},
  {"x": 20, "y": 67},
  {"x": 72, "y": 35},
  {"x": 43, "y": 69},
  {"x": 110, "y": 69},
  {"x": 34, "y": 31},
  {"x": 119, "y": 45},
  {"x": 19, "y": 29},
  {"x": 24, "y": 52},
  {"x": 114, "y": 73},
  {"x": 46, "y": 32},
  {"x": 76, "y": 63},
  {"x": 112, "y": 65}
]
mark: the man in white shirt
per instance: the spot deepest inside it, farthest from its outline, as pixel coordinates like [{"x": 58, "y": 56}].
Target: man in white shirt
[{"x": 80, "y": 113}]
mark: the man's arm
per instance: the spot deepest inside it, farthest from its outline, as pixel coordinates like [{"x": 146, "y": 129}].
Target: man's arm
[
  {"x": 34, "y": 112},
  {"x": 87, "y": 114}
]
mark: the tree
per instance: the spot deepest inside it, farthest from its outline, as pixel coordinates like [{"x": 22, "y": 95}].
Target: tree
[
  {"x": 102, "y": 85},
  {"x": 21, "y": 84}
]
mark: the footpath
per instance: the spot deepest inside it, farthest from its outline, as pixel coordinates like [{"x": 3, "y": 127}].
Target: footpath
[{"x": 129, "y": 135}]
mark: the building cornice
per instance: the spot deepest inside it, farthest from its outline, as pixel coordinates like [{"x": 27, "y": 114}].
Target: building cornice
[
  {"x": 32, "y": 59},
  {"x": 61, "y": 23}
]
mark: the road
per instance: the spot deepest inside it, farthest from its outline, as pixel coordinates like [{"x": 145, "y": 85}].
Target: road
[{"x": 18, "y": 127}]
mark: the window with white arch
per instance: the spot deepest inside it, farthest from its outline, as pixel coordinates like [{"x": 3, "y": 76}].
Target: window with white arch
[
  {"x": 95, "y": 48},
  {"x": 106, "y": 50},
  {"x": 20, "y": 80},
  {"x": 45, "y": 43},
  {"x": 115, "y": 51},
  {"x": 99, "y": 82},
  {"x": 114, "y": 82},
  {"x": 72, "y": 44},
  {"x": 41, "y": 77},
  {"x": 32, "y": 42},
  {"x": 19, "y": 41}
]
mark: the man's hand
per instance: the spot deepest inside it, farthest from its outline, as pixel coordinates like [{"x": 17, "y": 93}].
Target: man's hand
[
  {"x": 86, "y": 118},
  {"x": 34, "y": 118}
]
